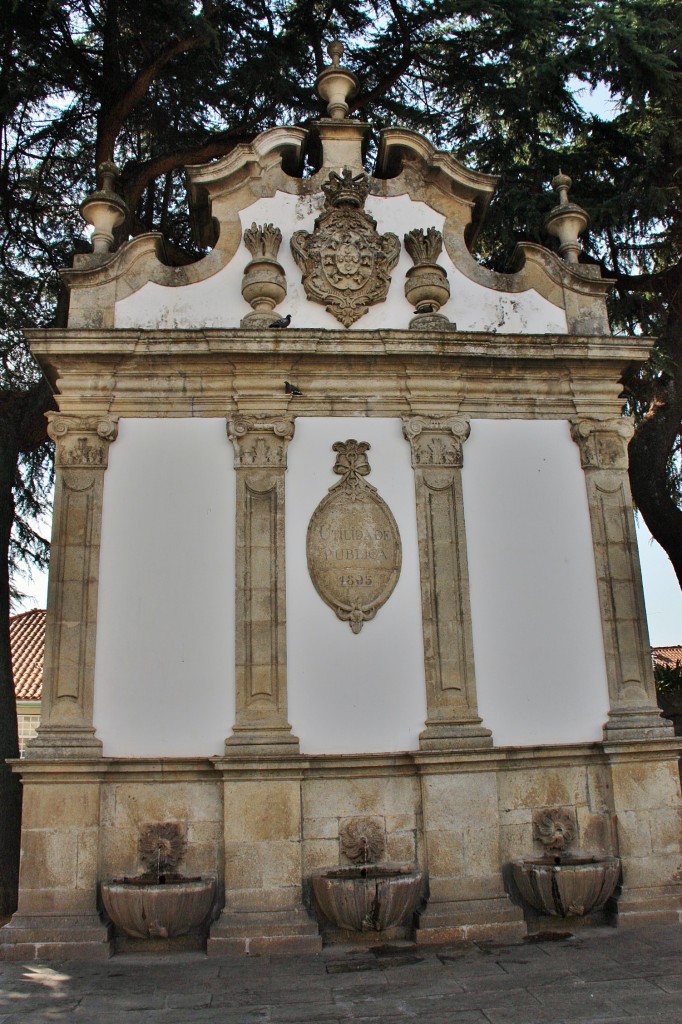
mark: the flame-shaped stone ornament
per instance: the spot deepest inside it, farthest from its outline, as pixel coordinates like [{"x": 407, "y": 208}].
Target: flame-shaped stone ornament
[{"x": 353, "y": 547}]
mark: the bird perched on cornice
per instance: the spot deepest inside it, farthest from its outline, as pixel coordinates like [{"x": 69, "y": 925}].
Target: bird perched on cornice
[
  {"x": 279, "y": 324},
  {"x": 291, "y": 389}
]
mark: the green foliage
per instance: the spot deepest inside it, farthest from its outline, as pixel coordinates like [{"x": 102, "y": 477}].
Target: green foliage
[{"x": 668, "y": 679}]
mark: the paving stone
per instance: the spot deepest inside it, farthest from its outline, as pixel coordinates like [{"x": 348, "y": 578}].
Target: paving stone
[
  {"x": 667, "y": 982},
  {"x": 595, "y": 979},
  {"x": 296, "y": 1013}
]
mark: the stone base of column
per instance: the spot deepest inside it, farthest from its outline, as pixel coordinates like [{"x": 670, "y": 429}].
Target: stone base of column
[
  {"x": 454, "y": 734},
  {"x": 45, "y": 937},
  {"x": 248, "y": 741},
  {"x": 641, "y": 907},
  {"x": 284, "y": 931},
  {"x": 62, "y": 742},
  {"x": 496, "y": 919},
  {"x": 637, "y": 723}
]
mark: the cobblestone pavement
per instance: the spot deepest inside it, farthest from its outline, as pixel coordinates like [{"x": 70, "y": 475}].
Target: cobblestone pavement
[{"x": 598, "y": 977}]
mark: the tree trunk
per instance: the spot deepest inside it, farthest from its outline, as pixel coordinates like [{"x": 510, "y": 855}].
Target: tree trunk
[
  {"x": 10, "y": 784},
  {"x": 649, "y": 452},
  {"x": 655, "y": 440}
]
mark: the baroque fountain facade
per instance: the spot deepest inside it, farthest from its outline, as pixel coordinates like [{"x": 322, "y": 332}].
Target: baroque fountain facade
[{"x": 443, "y": 634}]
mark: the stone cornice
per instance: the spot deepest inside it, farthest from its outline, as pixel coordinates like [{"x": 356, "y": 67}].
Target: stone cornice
[
  {"x": 312, "y": 766},
  {"x": 220, "y": 373},
  {"x": 212, "y": 342}
]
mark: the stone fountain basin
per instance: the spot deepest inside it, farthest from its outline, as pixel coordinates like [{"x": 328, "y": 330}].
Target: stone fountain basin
[
  {"x": 572, "y": 887},
  {"x": 371, "y": 898},
  {"x": 149, "y": 909}
]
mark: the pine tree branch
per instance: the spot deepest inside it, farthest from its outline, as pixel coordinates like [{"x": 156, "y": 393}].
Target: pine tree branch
[
  {"x": 112, "y": 120},
  {"x": 135, "y": 183},
  {"x": 398, "y": 70}
]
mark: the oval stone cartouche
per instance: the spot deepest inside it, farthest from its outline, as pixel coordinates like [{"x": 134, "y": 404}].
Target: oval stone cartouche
[{"x": 353, "y": 546}]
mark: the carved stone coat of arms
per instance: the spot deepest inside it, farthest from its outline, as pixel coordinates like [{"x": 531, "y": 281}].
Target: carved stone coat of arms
[{"x": 346, "y": 263}]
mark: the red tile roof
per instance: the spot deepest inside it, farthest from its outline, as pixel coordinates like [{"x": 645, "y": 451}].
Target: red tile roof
[
  {"x": 27, "y": 640},
  {"x": 667, "y": 655}
]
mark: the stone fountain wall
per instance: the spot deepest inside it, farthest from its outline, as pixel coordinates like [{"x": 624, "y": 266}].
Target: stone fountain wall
[{"x": 206, "y": 662}]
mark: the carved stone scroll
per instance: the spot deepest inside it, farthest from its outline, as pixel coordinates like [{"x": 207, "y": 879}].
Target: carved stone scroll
[
  {"x": 346, "y": 264},
  {"x": 261, "y": 723},
  {"x": 66, "y": 728},
  {"x": 604, "y": 457},
  {"x": 353, "y": 546},
  {"x": 453, "y": 719}
]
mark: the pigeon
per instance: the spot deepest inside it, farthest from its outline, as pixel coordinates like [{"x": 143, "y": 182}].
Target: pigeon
[
  {"x": 427, "y": 309},
  {"x": 291, "y": 389},
  {"x": 279, "y": 324}
]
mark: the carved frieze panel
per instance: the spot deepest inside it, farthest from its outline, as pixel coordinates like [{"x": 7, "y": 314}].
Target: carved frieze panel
[
  {"x": 346, "y": 263},
  {"x": 353, "y": 547}
]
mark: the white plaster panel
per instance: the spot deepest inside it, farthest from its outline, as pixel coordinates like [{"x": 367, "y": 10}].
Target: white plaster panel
[
  {"x": 540, "y": 670},
  {"x": 217, "y": 301},
  {"x": 164, "y": 678},
  {"x": 353, "y": 693}
]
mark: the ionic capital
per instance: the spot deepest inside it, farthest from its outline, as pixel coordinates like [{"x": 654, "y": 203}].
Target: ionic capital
[
  {"x": 260, "y": 442},
  {"x": 603, "y": 444},
  {"x": 82, "y": 443},
  {"x": 436, "y": 441}
]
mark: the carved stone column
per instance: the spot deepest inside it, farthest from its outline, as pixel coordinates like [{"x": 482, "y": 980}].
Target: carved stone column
[
  {"x": 634, "y": 713},
  {"x": 261, "y": 724},
  {"x": 66, "y": 728},
  {"x": 453, "y": 719}
]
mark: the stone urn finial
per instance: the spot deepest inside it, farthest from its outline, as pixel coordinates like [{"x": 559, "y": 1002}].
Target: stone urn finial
[
  {"x": 336, "y": 84},
  {"x": 567, "y": 220},
  {"x": 264, "y": 284},
  {"x": 104, "y": 209},
  {"x": 427, "y": 286}
]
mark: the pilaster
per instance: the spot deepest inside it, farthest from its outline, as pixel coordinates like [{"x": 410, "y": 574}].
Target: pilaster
[
  {"x": 645, "y": 786},
  {"x": 263, "y": 910},
  {"x": 634, "y": 713},
  {"x": 57, "y": 916},
  {"x": 82, "y": 451},
  {"x": 461, "y": 822},
  {"x": 452, "y": 713},
  {"x": 261, "y": 721}
]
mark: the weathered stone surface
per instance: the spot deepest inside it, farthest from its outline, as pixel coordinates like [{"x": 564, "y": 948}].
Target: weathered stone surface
[
  {"x": 145, "y": 911},
  {"x": 453, "y": 721},
  {"x": 346, "y": 264},
  {"x": 250, "y": 818},
  {"x": 260, "y": 445},
  {"x": 571, "y": 888},
  {"x": 353, "y": 545}
]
